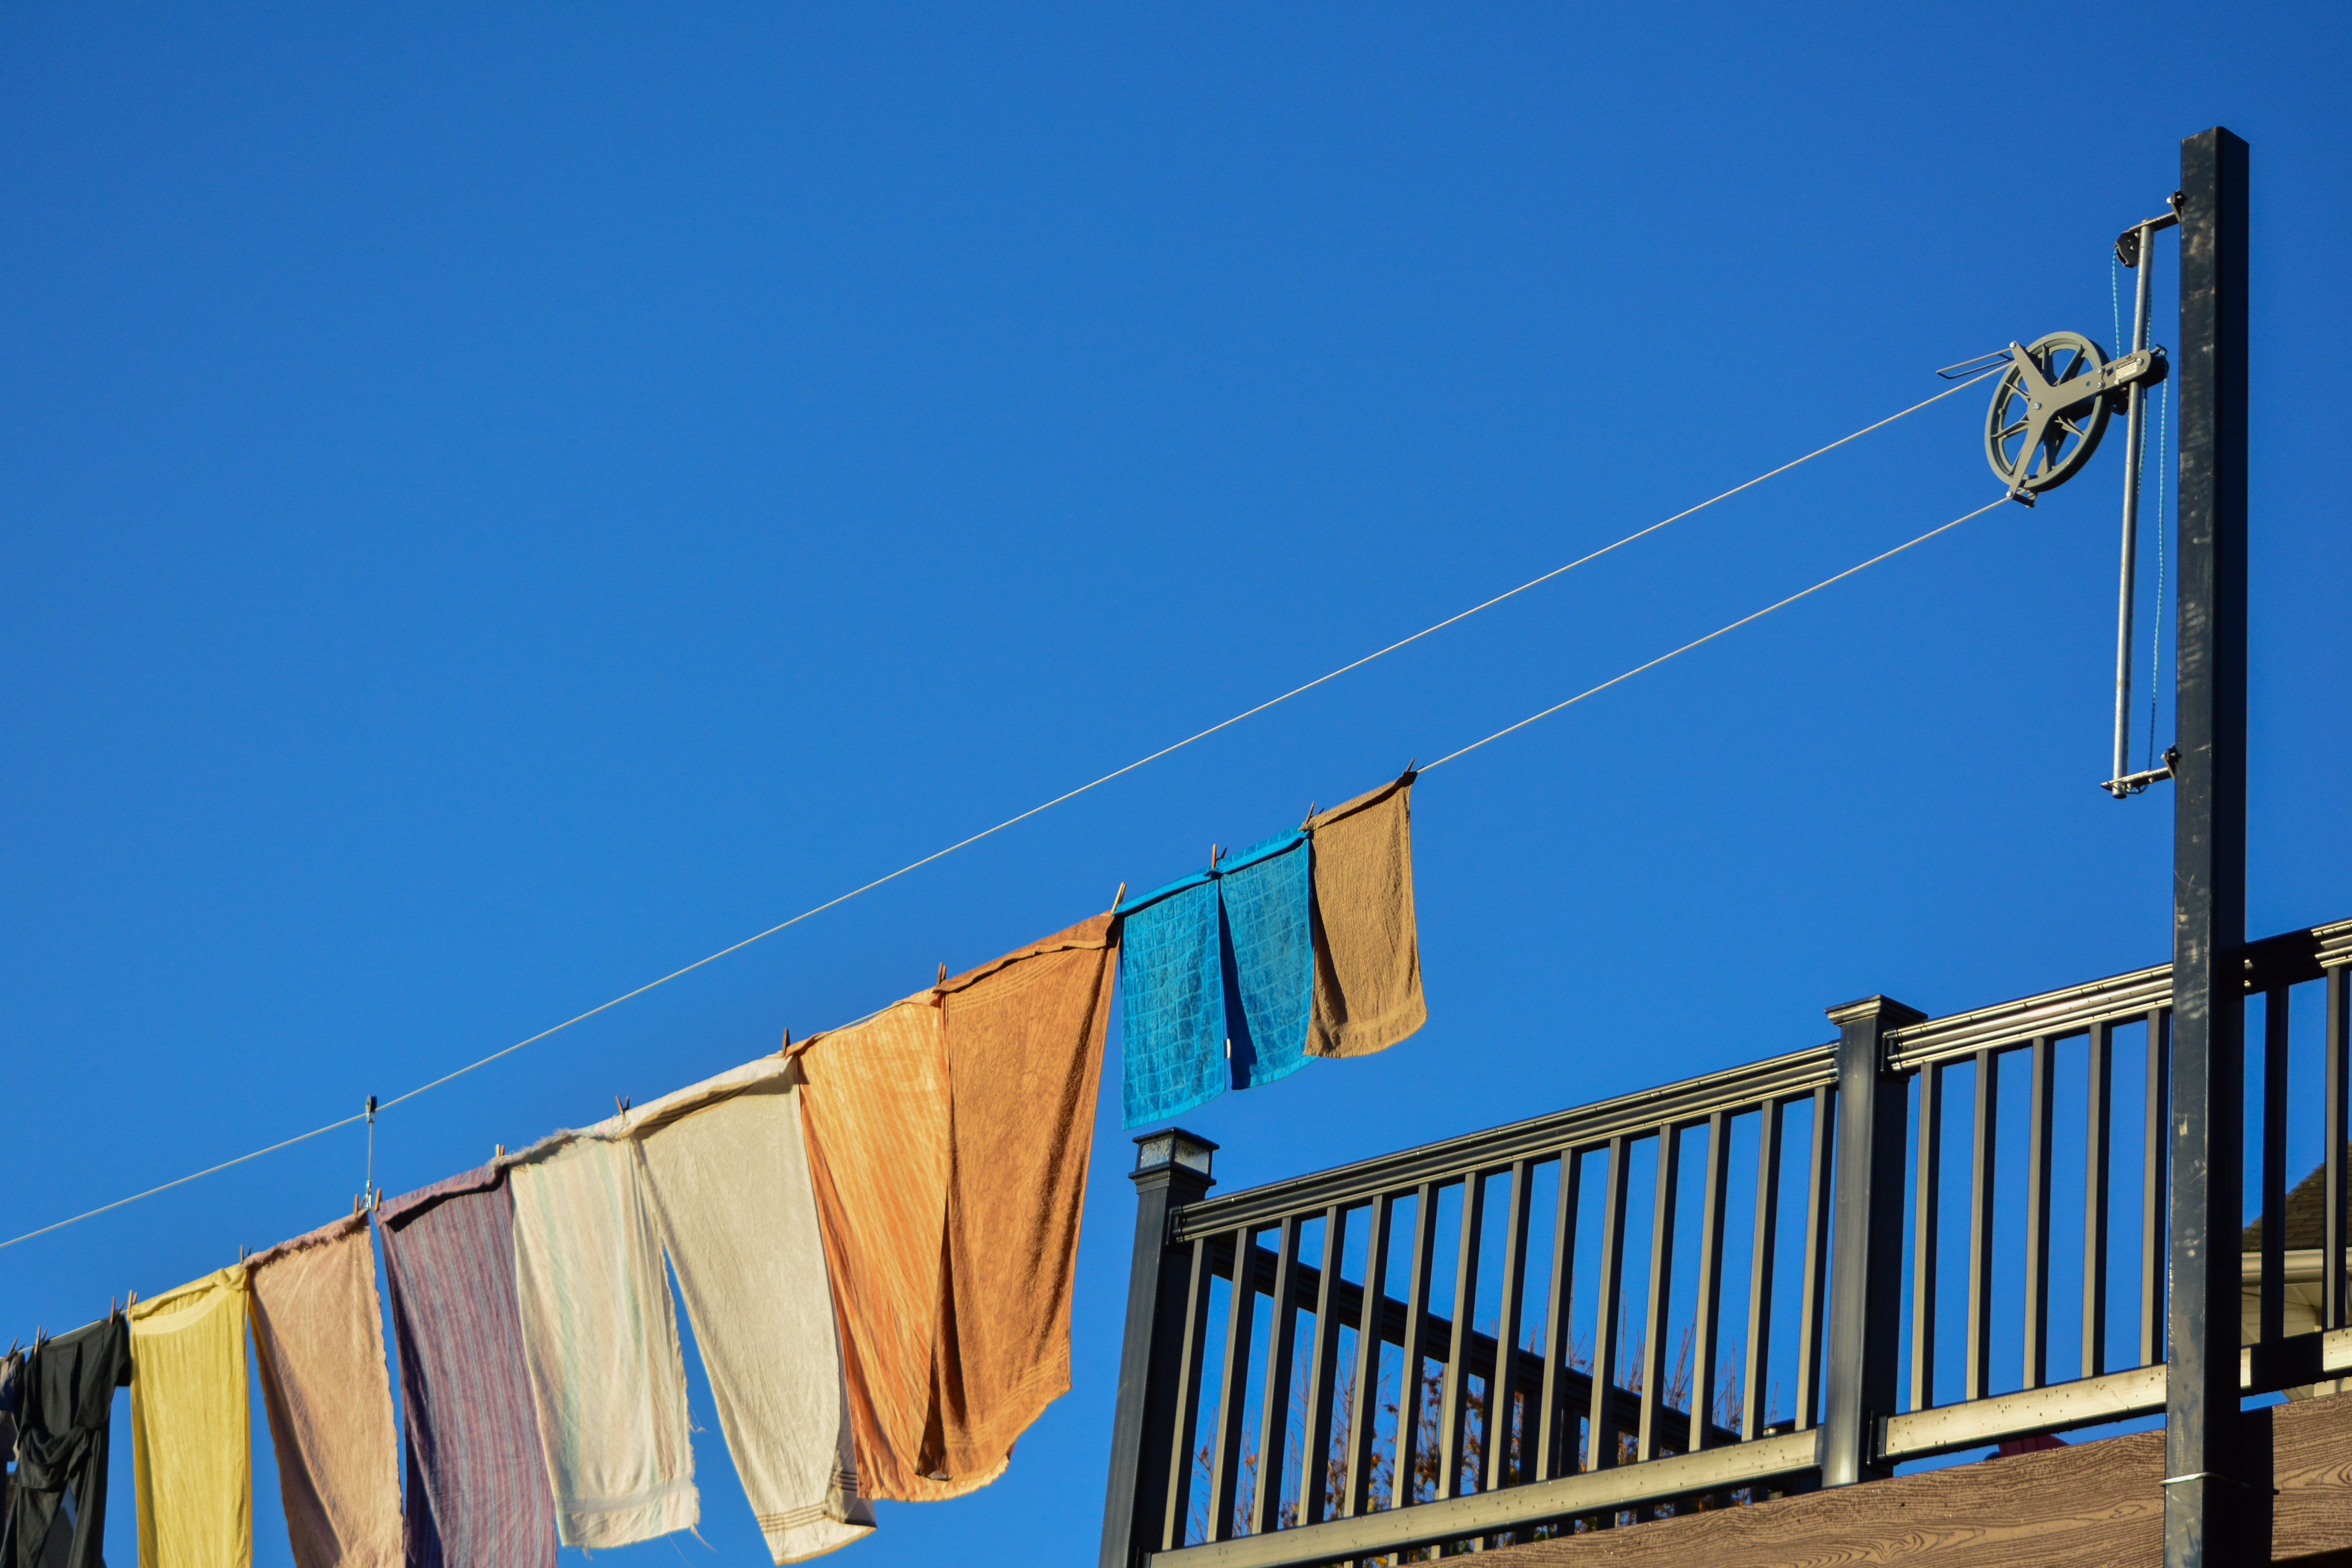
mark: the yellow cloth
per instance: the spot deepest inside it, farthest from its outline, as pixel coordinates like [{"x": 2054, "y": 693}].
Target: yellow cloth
[
  {"x": 190, "y": 1432},
  {"x": 1366, "y": 947}
]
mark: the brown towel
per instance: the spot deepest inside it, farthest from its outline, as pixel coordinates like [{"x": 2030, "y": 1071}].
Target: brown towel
[
  {"x": 1366, "y": 956},
  {"x": 948, "y": 1142},
  {"x": 318, "y": 1326},
  {"x": 1024, "y": 1041}
]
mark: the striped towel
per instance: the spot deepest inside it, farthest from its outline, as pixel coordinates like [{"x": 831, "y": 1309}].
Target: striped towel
[{"x": 477, "y": 1493}]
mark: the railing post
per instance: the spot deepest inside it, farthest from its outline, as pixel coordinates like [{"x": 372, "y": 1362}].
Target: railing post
[
  {"x": 2203, "y": 1479},
  {"x": 1865, "y": 1326},
  {"x": 1172, "y": 1170}
]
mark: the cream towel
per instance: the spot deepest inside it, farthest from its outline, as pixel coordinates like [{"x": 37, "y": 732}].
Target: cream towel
[
  {"x": 601, "y": 1341},
  {"x": 317, "y": 1330},
  {"x": 728, "y": 1168},
  {"x": 189, "y": 1429}
]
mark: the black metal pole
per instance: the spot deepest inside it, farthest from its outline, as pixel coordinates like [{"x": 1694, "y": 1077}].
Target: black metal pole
[
  {"x": 2203, "y": 1471},
  {"x": 1144, "y": 1423},
  {"x": 1864, "y": 1357}
]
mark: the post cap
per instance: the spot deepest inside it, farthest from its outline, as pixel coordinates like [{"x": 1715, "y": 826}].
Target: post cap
[
  {"x": 1894, "y": 1014},
  {"x": 1173, "y": 1146}
]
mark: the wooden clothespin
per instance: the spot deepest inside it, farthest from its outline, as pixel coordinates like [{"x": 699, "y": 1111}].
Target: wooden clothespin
[
  {"x": 1118, "y": 897},
  {"x": 786, "y": 1049},
  {"x": 1411, "y": 763},
  {"x": 377, "y": 1203},
  {"x": 357, "y": 1200},
  {"x": 499, "y": 1150},
  {"x": 621, "y": 1103},
  {"x": 1214, "y": 851},
  {"x": 942, "y": 980}
]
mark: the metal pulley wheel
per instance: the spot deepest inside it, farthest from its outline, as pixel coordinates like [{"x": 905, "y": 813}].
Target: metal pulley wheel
[{"x": 2050, "y": 408}]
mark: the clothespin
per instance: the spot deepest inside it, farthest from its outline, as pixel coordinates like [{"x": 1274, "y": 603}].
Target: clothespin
[
  {"x": 786, "y": 1050},
  {"x": 1410, "y": 763},
  {"x": 1214, "y": 851},
  {"x": 499, "y": 1150},
  {"x": 942, "y": 980},
  {"x": 378, "y": 1203},
  {"x": 357, "y": 1199},
  {"x": 621, "y": 1103},
  {"x": 1118, "y": 897}
]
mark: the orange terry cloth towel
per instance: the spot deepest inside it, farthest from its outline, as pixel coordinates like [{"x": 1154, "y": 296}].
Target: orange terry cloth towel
[
  {"x": 949, "y": 1138},
  {"x": 1367, "y": 951},
  {"x": 318, "y": 1326}
]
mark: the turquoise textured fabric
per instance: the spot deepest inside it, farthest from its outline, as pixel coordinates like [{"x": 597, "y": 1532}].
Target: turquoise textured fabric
[
  {"x": 1171, "y": 988},
  {"x": 1268, "y": 957}
]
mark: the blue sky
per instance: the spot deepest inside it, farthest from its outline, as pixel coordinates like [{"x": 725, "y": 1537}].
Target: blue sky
[{"x": 501, "y": 504}]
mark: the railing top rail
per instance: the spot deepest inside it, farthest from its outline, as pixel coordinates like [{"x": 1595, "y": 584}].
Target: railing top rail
[
  {"x": 2281, "y": 960},
  {"x": 1539, "y": 1137}
]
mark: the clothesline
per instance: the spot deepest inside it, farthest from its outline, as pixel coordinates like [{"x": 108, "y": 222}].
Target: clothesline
[{"x": 1093, "y": 783}]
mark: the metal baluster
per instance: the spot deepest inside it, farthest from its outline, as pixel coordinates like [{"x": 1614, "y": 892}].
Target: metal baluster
[
  {"x": 1662, "y": 1286},
  {"x": 1601, "y": 1425},
  {"x": 2097, "y": 1141},
  {"x": 1453, "y": 1404},
  {"x": 1753, "y": 1417},
  {"x": 1363, "y": 1399},
  {"x": 2274, "y": 1088},
  {"x": 1504, "y": 1385},
  {"x": 2037, "y": 1216},
  {"x": 1928, "y": 1193},
  {"x": 1322, "y": 1369},
  {"x": 1980, "y": 1174},
  {"x": 1416, "y": 1320},
  {"x": 1709, "y": 1310},
  {"x": 1274, "y": 1412},
  {"x": 2339, "y": 1015},
  {"x": 1555, "y": 1446},
  {"x": 1225, "y": 1465},
  {"x": 1188, "y": 1404},
  {"x": 2153, "y": 1241},
  {"x": 1817, "y": 1274}
]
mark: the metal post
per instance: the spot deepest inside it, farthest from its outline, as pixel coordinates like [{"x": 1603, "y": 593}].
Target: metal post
[
  {"x": 1865, "y": 1328},
  {"x": 1171, "y": 1170},
  {"x": 2202, "y": 1483}
]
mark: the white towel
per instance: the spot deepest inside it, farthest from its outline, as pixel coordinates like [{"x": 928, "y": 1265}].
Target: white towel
[
  {"x": 600, "y": 1338},
  {"x": 730, "y": 1176}
]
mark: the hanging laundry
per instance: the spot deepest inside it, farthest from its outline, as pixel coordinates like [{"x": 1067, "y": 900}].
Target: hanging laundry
[
  {"x": 1025, "y": 1038},
  {"x": 875, "y": 1103},
  {"x": 727, "y": 1164},
  {"x": 1367, "y": 951},
  {"x": 1267, "y": 894},
  {"x": 190, "y": 1434},
  {"x": 477, "y": 1492},
  {"x": 12, "y": 1372},
  {"x": 601, "y": 1339},
  {"x": 64, "y": 1413},
  {"x": 1172, "y": 1002},
  {"x": 1217, "y": 981},
  {"x": 318, "y": 1335},
  {"x": 948, "y": 1145}
]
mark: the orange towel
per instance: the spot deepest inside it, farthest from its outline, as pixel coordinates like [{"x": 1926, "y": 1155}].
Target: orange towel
[
  {"x": 1367, "y": 950},
  {"x": 949, "y": 1139},
  {"x": 874, "y": 1106}
]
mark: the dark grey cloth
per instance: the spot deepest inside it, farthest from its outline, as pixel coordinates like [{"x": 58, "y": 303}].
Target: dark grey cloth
[{"x": 65, "y": 1408}]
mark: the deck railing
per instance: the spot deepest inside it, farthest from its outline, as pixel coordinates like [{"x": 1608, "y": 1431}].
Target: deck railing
[{"x": 1444, "y": 1344}]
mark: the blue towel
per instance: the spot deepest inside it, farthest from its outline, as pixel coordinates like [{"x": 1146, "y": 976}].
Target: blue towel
[
  {"x": 1172, "y": 1016},
  {"x": 1269, "y": 958}
]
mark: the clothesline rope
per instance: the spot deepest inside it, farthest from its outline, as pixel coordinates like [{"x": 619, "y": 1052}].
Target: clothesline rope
[
  {"x": 1718, "y": 631},
  {"x": 1069, "y": 795}
]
